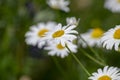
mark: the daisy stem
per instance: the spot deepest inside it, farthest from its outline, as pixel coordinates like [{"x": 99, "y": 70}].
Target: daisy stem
[
  {"x": 95, "y": 53},
  {"x": 82, "y": 66},
  {"x": 58, "y": 66},
  {"x": 92, "y": 58}
]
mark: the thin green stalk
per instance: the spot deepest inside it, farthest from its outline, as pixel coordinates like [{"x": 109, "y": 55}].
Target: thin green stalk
[
  {"x": 95, "y": 53},
  {"x": 82, "y": 66},
  {"x": 90, "y": 57},
  {"x": 59, "y": 66}
]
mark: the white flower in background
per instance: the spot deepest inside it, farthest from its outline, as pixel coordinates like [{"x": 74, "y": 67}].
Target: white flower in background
[
  {"x": 37, "y": 33},
  {"x": 62, "y": 34},
  {"x": 92, "y": 37},
  {"x": 111, "y": 39},
  {"x": 25, "y": 77},
  {"x": 108, "y": 73},
  {"x": 60, "y": 50},
  {"x": 59, "y": 4},
  {"x": 113, "y": 5},
  {"x": 72, "y": 21}
]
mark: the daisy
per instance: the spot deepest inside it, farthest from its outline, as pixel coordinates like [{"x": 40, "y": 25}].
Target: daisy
[
  {"x": 37, "y": 33},
  {"x": 60, "y": 50},
  {"x": 92, "y": 37},
  {"x": 111, "y": 38},
  {"x": 62, "y": 34},
  {"x": 113, "y": 5},
  {"x": 72, "y": 21},
  {"x": 59, "y": 4},
  {"x": 108, "y": 73}
]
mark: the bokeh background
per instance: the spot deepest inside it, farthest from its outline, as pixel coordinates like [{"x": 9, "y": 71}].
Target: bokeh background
[{"x": 19, "y": 61}]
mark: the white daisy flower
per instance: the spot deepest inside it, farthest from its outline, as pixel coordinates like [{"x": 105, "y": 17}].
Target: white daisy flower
[
  {"x": 92, "y": 37},
  {"x": 113, "y": 5},
  {"x": 60, "y": 50},
  {"x": 108, "y": 73},
  {"x": 59, "y": 4},
  {"x": 111, "y": 38},
  {"x": 37, "y": 33},
  {"x": 62, "y": 34},
  {"x": 72, "y": 21}
]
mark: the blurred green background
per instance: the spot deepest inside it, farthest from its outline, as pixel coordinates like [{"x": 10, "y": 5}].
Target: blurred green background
[{"x": 19, "y": 61}]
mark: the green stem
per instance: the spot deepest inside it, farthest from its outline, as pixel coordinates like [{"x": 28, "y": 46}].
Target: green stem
[
  {"x": 95, "y": 53},
  {"x": 82, "y": 66},
  {"x": 90, "y": 57},
  {"x": 58, "y": 66}
]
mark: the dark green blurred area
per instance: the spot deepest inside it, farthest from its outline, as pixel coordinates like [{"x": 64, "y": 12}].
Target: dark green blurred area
[{"x": 18, "y": 59}]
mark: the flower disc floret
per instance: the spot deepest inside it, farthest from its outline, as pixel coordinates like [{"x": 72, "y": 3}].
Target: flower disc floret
[
  {"x": 118, "y": 1},
  {"x": 117, "y": 34},
  {"x": 97, "y": 33},
  {"x": 59, "y": 46},
  {"x": 105, "y": 77},
  {"x": 58, "y": 33},
  {"x": 42, "y": 32}
]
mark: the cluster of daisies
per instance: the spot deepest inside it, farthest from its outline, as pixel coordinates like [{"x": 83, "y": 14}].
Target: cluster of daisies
[
  {"x": 57, "y": 38},
  {"x": 54, "y": 37}
]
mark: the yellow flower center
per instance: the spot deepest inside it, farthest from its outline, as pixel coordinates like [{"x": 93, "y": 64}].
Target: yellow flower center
[
  {"x": 97, "y": 33},
  {"x": 59, "y": 46},
  {"x": 105, "y": 77},
  {"x": 42, "y": 32},
  {"x": 117, "y": 34},
  {"x": 118, "y": 1},
  {"x": 58, "y": 33}
]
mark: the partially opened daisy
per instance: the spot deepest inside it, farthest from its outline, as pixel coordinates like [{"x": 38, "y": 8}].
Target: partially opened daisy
[
  {"x": 113, "y": 5},
  {"x": 108, "y": 73},
  {"x": 62, "y": 34},
  {"x": 92, "y": 37},
  {"x": 72, "y": 21},
  {"x": 60, "y": 50},
  {"x": 37, "y": 33},
  {"x": 111, "y": 38},
  {"x": 59, "y": 4}
]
